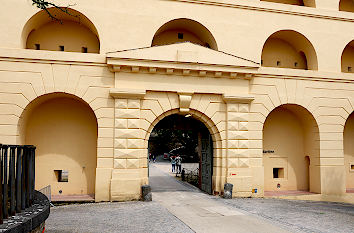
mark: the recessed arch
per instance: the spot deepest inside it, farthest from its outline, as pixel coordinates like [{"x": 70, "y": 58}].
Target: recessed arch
[
  {"x": 73, "y": 33},
  {"x": 346, "y": 5},
  {"x": 182, "y": 30},
  {"x": 289, "y": 49},
  {"x": 308, "y": 3},
  {"x": 291, "y": 150},
  {"x": 348, "y": 137},
  {"x": 347, "y": 58},
  {"x": 64, "y": 129}
]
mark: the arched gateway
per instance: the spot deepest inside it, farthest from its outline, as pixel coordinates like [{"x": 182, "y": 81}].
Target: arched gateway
[{"x": 189, "y": 138}]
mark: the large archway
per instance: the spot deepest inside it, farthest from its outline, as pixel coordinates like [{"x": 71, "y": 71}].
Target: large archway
[
  {"x": 348, "y": 58},
  {"x": 183, "y": 30},
  {"x": 349, "y": 152},
  {"x": 64, "y": 130},
  {"x": 188, "y": 137},
  {"x": 291, "y": 149},
  {"x": 72, "y": 32},
  {"x": 289, "y": 49}
]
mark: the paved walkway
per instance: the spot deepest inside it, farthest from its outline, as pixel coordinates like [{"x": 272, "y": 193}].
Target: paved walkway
[
  {"x": 180, "y": 207},
  {"x": 200, "y": 211}
]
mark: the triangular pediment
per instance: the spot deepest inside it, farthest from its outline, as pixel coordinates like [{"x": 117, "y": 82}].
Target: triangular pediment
[{"x": 186, "y": 52}]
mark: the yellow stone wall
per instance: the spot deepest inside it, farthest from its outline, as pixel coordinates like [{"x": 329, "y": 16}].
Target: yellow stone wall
[{"x": 229, "y": 91}]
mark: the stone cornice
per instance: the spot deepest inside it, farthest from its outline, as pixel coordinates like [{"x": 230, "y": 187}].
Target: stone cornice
[
  {"x": 312, "y": 75},
  {"x": 179, "y": 68},
  {"x": 280, "y": 9},
  {"x": 185, "y": 59},
  {"x": 51, "y": 57}
]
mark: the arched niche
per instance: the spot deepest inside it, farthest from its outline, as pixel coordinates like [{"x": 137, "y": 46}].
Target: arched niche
[
  {"x": 183, "y": 30},
  {"x": 291, "y": 150},
  {"x": 348, "y": 137},
  {"x": 346, "y": 5},
  {"x": 308, "y": 3},
  {"x": 64, "y": 129},
  {"x": 289, "y": 49},
  {"x": 73, "y": 32},
  {"x": 348, "y": 58}
]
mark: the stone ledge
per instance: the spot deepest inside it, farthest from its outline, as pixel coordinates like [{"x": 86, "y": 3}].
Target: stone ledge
[{"x": 29, "y": 219}]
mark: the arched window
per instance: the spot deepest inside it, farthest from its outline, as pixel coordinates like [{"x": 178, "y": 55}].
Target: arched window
[
  {"x": 183, "y": 30},
  {"x": 289, "y": 49},
  {"x": 309, "y": 3},
  {"x": 71, "y": 33},
  {"x": 346, "y": 5},
  {"x": 348, "y": 58}
]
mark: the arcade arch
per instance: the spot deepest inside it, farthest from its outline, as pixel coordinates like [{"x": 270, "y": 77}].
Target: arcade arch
[
  {"x": 183, "y": 30},
  {"x": 348, "y": 58},
  {"x": 289, "y": 49},
  {"x": 64, "y": 130},
  {"x": 349, "y": 151},
  {"x": 291, "y": 149},
  {"x": 73, "y": 33},
  {"x": 346, "y": 5}
]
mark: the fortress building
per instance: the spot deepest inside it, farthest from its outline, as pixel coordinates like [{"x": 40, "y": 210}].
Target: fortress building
[{"x": 271, "y": 80}]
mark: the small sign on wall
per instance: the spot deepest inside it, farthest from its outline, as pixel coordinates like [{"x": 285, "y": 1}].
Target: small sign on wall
[{"x": 268, "y": 151}]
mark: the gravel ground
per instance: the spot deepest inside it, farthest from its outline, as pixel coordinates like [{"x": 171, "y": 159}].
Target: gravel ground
[
  {"x": 114, "y": 217},
  {"x": 299, "y": 216}
]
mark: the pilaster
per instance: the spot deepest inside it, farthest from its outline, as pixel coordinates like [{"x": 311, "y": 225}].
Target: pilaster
[
  {"x": 130, "y": 160},
  {"x": 239, "y": 172}
]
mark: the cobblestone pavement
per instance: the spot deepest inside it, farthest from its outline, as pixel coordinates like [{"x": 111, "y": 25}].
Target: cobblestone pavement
[
  {"x": 299, "y": 216},
  {"x": 130, "y": 217}
]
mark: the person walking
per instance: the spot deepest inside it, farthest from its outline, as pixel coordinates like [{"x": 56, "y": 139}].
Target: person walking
[
  {"x": 179, "y": 164},
  {"x": 153, "y": 158},
  {"x": 173, "y": 163}
]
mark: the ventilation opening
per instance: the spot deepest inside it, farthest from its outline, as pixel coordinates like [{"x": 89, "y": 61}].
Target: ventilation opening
[
  {"x": 180, "y": 36},
  {"x": 61, "y": 47},
  {"x": 278, "y": 63},
  {"x": 84, "y": 50},
  {"x": 352, "y": 167},
  {"x": 295, "y": 64},
  {"x": 62, "y": 175},
  {"x": 349, "y": 69},
  {"x": 278, "y": 172},
  {"x": 37, "y": 46}
]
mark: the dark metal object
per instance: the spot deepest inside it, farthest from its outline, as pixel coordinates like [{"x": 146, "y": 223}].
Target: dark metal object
[
  {"x": 17, "y": 176},
  {"x": 206, "y": 165},
  {"x": 12, "y": 180},
  {"x": 146, "y": 193},
  {"x": 228, "y": 190},
  {"x": 183, "y": 175}
]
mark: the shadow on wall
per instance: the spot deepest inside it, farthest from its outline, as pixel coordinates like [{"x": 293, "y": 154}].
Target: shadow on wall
[
  {"x": 75, "y": 32},
  {"x": 346, "y": 5},
  {"x": 308, "y": 3},
  {"x": 64, "y": 130}
]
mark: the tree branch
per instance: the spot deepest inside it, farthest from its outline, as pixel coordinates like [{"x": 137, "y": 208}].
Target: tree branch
[{"x": 45, "y": 5}]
